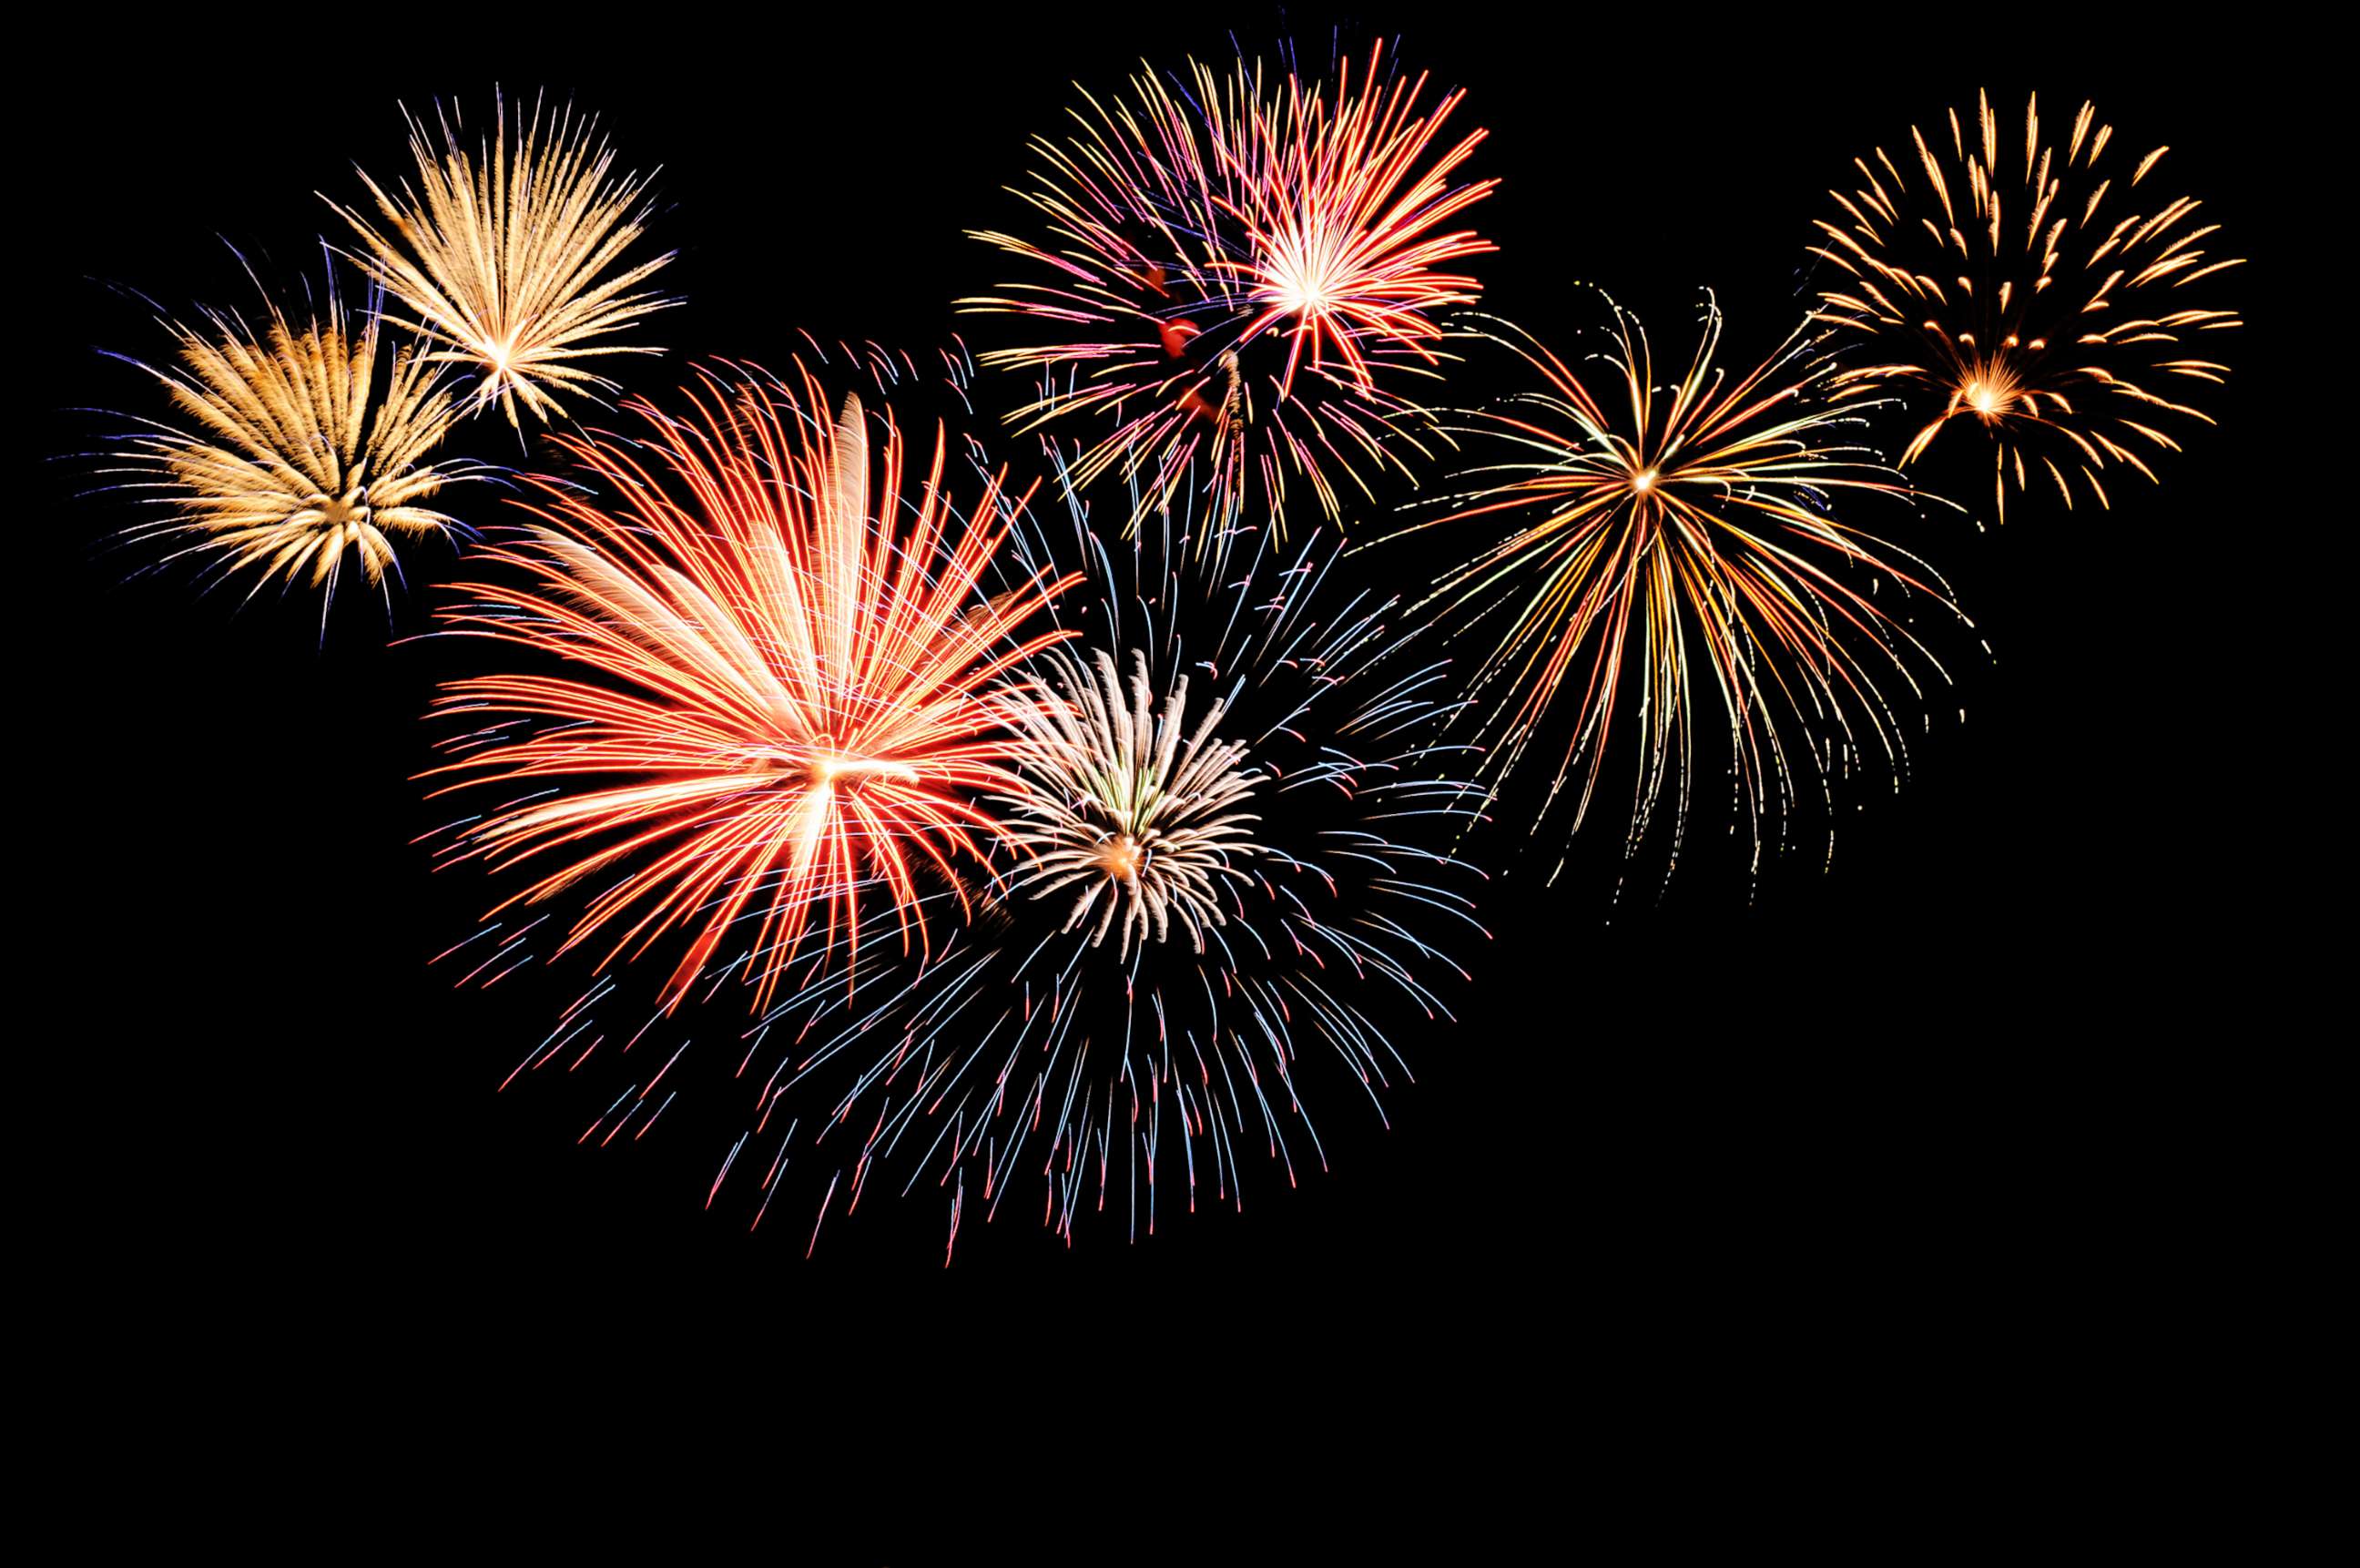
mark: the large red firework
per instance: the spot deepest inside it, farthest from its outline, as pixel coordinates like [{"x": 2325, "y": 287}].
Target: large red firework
[
  {"x": 773, "y": 700},
  {"x": 1243, "y": 276}
]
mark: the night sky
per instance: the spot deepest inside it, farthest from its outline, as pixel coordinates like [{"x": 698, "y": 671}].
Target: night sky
[{"x": 1973, "y": 1079}]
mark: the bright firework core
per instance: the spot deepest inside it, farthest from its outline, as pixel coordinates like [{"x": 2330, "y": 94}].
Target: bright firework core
[
  {"x": 1307, "y": 286},
  {"x": 1120, "y": 857},
  {"x": 830, "y": 768},
  {"x": 1990, "y": 388},
  {"x": 1301, "y": 296}
]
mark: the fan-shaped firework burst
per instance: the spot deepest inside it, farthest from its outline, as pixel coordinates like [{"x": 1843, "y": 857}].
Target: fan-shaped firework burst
[
  {"x": 1243, "y": 278},
  {"x": 2051, "y": 299},
  {"x": 776, "y": 679},
  {"x": 1274, "y": 859},
  {"x": 504, "y": 255},
  {"x": 1665, "y": 538},
  {"x": 298, "y": 447}
]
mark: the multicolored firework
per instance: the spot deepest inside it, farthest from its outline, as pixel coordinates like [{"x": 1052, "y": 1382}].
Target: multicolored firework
[
  {"x": 2052, "y": 309},
  {"x": 1276, "y": 861},
  {"x": 1243, "y": 282},
  {"x": 778, "y": 686},
  {"x": 503, "y": 255},
  {"x": 1665, "y": 537},
  {"x": 296, "y": 451}
]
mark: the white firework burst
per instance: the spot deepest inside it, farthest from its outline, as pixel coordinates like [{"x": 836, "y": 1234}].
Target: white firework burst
[{"x": 1128, "y": 809}]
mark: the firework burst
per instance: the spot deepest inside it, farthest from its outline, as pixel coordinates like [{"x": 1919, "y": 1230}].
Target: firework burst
[
  {"x": 775, "y": 686},
  {"x": 1130, "y": 813},
  {"x": 2057, "y": 301},
  {"x": 1275, "y": 861},
  {"x": 299, "y": 447},
  {"x": 1668, "y": 538},
  {"x": 505, "y": 253},
  {"x": 1242, "y": 281}
]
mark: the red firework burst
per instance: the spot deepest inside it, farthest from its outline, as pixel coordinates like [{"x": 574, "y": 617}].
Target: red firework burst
[
  {"x": 1245, "y": 276},
  {"x": 774, "y": 668}
]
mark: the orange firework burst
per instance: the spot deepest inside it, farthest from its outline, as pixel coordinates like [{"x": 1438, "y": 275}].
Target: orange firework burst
[
  {"x": 1671, "y": 537},
  {"x": 1244, "y": 276},
  {"x": 2050, "y": 300},
  {"x": 787, "y": 669}
]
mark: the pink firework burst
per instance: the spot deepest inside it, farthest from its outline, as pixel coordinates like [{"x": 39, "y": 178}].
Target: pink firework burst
[{"x": 1244, "y": 283}]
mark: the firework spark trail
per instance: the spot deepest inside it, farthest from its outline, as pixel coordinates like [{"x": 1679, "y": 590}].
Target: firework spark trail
[
  {"x": 1242, "y": 281},
  {"x": 504, "y": 254},
  {"x": 299, "y": 447},
  {"x": 1665, "y": 538},
  {"x": 2045, "y": 297},
  {"x": 778, "y": 686},
  {"x": 1026, "y": 1044}
]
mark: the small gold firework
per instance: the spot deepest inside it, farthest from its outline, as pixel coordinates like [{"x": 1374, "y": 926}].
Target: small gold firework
[
  {"x": 1137, "y": 814},
  {"x": 502, "y": 255},
  {"x": 2035, "y": 299},
  {"x": 294, "y": 455}
]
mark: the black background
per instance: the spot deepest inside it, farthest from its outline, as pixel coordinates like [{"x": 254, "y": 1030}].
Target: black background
[{"x": 1967, "y": 1097}]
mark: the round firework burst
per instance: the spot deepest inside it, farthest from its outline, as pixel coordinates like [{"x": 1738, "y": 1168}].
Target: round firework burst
[
  {"x": 2055, "y": 302},
  {"x": 1227, "y": 847},
  {"x": 1665, "y": 538},
  {"x": 504, "y": 255},
  {"x": 774, "y": 678},
  {"x": 1242, "y": 281},
  {"x": 1126, "y": 818},
  {"x": 297, "y": 447}
]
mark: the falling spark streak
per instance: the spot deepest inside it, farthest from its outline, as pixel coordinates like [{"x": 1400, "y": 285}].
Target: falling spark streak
[
  {"x": 504, "y": 255},
  {"x": 2049, "y": 299},
  {"x": 777, "y": 679},
  {"x": 1665, "y": 538},
  {"x": 1243, "y": 280}
]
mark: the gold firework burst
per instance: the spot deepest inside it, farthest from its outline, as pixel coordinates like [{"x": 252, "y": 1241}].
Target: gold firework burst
[
  {"x": 503, "y": 255},
  {"x": 2045, "y": 297},
  {"x": 293, "y": 454},
  {"x": 1668, "y": 538}
]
